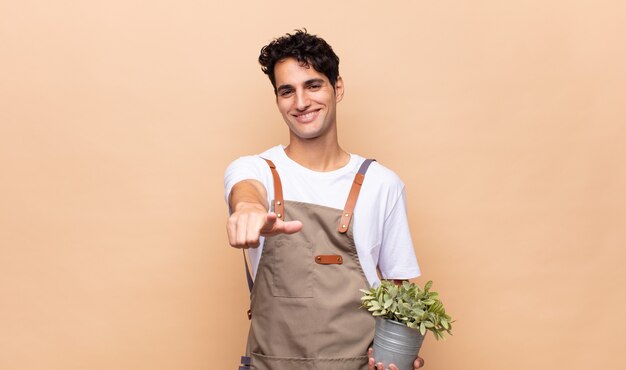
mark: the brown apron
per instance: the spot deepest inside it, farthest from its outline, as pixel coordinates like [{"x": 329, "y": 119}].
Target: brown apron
[{"x": 305, "y": 300}]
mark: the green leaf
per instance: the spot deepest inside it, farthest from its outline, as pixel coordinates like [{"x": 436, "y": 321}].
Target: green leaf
[
  {"x": 388, "y": 303},
  {"x": 428, "y": 285},
  {"x": 422, "y": 328},
  {"x": 444, "y": 323}
]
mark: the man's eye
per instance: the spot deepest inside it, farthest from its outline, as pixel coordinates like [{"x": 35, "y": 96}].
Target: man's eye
[
  {"x": 285, "y": 92},
  {"x": 315, "y": 86}
]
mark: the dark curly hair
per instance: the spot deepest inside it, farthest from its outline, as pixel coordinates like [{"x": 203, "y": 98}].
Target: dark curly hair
[{"x": 307, "y": 49}]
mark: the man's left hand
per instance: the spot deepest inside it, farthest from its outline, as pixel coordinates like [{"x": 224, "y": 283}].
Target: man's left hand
[{"x": 373, "y": 365}]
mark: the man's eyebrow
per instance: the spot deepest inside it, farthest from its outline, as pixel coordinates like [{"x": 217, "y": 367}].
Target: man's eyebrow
[
  {"x": 284, "y": 87},
  {"x": 313, "y": 81},
  {"x": 306, "y": 83}
]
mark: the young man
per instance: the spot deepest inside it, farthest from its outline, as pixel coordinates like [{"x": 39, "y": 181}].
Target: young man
[{"x": 320, "y": 223}]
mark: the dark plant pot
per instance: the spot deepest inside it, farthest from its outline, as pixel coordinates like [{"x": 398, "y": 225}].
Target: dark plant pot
[{"x": 396, "y": 343}]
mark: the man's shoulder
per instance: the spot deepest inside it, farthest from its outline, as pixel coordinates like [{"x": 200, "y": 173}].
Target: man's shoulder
[
  {"x": 257, "y": 160},
  {"x": 274, "y": 153},
  {"x": 382, "y": 175},
  {"x": 249, "y": 167}
]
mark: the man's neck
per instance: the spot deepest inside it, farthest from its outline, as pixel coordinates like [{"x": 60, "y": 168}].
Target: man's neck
[{"x": 317, "y": 155}]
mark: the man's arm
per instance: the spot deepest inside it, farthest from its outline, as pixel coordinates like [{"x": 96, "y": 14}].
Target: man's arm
[
  {"x": 248, "y": 191},
  {"x": 250, "y": 218}
]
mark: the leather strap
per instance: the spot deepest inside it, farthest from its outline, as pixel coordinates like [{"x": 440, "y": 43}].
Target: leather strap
[
  {"x": 329, "y": 259},
  {"x": 348, "y": 210},
  {"x": 279, "y": 202},
  {"x": 279, "y": 208}
]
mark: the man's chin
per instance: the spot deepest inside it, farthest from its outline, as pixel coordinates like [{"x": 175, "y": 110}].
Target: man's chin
[{"x": 303, "y": 135}]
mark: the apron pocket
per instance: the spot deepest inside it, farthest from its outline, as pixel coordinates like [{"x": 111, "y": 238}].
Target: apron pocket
[
  {"x": 262, "y": 362},
  {"x": 356, "y": 363},
  {"x": 292, "y": 269}
]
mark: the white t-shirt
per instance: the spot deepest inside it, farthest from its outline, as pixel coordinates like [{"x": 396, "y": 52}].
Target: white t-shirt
[{"x": 380, "y": 226}]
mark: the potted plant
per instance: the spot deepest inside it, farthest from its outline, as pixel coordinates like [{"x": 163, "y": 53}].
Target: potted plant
[{"x": 404, "y": 313}]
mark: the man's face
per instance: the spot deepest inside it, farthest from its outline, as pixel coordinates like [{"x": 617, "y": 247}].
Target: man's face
[{"x": 306, "y": 99}]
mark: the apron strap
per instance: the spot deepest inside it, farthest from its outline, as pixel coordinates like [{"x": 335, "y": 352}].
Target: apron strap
[
  {"x": 348, "y": 210},
  {"x": 248, "y": 274},
  {"x": 279, "y": 208},
  {"x": 279, "y": 202},
  {"x": 246, "y": 362}
]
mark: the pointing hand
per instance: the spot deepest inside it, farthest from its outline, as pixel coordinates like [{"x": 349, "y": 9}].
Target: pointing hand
[{"x": 247, "y": 224}]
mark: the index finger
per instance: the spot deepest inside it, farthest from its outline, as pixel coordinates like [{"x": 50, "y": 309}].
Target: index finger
[{"x": 270, "y": 221}]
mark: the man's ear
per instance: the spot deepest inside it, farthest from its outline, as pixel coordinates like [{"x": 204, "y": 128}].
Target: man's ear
[{"x": 339, "y": 88}]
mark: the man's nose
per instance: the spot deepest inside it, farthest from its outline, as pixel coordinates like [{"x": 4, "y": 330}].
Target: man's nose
[{"x": 302, "y": 100}]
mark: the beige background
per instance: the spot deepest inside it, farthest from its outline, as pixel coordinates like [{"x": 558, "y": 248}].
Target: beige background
[{"x": 506, "y": 120}]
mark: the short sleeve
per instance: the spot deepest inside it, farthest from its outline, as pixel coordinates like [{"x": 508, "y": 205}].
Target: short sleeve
[
  {"x": 397, "y": 256},
  {"x": 246, "y": 168}
]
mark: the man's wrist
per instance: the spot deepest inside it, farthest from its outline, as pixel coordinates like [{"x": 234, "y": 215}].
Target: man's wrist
[{"x": 241, "y": 206}]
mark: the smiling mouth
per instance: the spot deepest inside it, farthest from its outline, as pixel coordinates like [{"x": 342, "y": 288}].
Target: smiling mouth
[{"x": 307, "y": 117}]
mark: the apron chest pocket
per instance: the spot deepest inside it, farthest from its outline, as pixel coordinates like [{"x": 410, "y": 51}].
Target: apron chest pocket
[{"x": 292, "y": 269}]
